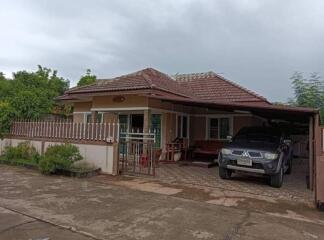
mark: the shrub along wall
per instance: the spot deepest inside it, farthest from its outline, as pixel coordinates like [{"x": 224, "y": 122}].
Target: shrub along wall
[{"x": 99, "y": 156}]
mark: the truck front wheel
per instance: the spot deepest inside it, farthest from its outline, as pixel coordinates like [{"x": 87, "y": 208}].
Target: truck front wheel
[
  {"x": 277, "y": 179},
  {"x": 225, "y": 173}
]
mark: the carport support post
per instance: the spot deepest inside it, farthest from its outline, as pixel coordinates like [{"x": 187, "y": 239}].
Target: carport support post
[{"x": 311, "y": 152}]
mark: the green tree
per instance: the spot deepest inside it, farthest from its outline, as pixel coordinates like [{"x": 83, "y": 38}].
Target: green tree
[
  {"x": 87, "y": 79},
  {"x": 308, "y": 92},
  {"x": 32, "y": 104},
  {"x": 35, "y": 92},
  {"x": 30, "y": 95},
  {"x": 5, "y": 87},
  {"x": 6, "y": 116}
]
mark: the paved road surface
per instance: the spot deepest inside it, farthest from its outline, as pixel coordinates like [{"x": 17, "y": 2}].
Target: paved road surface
[{"x": 33, "y": 206}]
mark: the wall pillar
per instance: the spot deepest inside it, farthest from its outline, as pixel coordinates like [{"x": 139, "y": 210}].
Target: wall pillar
[
  {"x": 94, "y": 115},
  {"x": 146, "y": 128},
  {"x": 147, "y": 121},
  {"x": 115, "y": 167}
]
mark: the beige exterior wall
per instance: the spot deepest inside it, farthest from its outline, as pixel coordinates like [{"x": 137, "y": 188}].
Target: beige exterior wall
[
  {"x": 158, "y": 104},
  {"x": 197, "y": 129},
  {"x": 110, "y": 117},
  {"x": 78, "y": 117},
  {"x": 82, "y": 106},
  {"x": 197, "y": 124},
  {"x": 169, "y": 127},
  {"x": 131, "y": 101}
]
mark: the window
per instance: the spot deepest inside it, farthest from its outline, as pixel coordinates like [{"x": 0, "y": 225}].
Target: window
[
  {"x": 156, "y": 127},
  {"x": 224, "y": 128},
  {"x": 218, "y": 128},
  {"x": 100, "y": 117},
  {"x": 213, "y": 128},
  {"x": 88, "y": 117},
  {"x": 182, "y": 126},
  {"x": 123, "y": 121}
]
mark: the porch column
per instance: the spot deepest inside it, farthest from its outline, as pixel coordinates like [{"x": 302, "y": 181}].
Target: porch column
[
  {"x": 147, "y": 121},
  {"x": 146, "y": 127},
  {"x": 94, "y": 115}
]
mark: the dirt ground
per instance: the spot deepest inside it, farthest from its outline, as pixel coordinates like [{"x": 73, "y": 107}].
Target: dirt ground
[{"x": 33, "y": 206}]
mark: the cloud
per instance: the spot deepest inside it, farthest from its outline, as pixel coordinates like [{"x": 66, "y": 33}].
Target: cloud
[{"x": 258, "y": 44}]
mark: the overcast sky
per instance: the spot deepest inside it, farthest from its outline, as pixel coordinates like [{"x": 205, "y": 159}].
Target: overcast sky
[{"x": 256, "y": 43}]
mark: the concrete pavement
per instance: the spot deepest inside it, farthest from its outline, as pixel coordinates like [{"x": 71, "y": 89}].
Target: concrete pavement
[
  {"x": 34, "y": 206},
  {"x": 16, "y": 226}
]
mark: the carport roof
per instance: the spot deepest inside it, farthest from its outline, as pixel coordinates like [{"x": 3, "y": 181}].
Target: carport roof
[{"x": 264, "y": 110}]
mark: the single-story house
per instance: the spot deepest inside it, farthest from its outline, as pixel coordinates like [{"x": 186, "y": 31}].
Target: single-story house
[
  {"x": 198, "y": 107},
  {"x": 202, "y": 108}
]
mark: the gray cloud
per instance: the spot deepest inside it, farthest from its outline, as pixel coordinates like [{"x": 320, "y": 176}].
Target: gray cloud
[{"x": 258, "y": 44}]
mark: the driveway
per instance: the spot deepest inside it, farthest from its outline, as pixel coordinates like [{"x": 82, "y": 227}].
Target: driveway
[
  {"x": 294, "y": 187},
  {"x": 40, "y": 207}
]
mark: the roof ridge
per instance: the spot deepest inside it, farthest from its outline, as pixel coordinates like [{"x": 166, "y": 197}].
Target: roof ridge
[
  {"x": 155, "y": 71},
  {"x": 136, "y": 73},
  {"x": 190, "y": 76},
  {"x": 147, "y": 77}
]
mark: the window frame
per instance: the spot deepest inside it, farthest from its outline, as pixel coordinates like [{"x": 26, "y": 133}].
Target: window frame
[
  {"x": 161, "y": 128},
  {"x": 208, "y": 120},
  {"x": 85, "y": 117},
  {"x": 187, "y": 116}
]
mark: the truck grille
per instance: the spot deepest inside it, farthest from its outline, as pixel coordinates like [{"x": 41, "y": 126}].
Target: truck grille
[
  {"x": 255, "y": 154},
  {"x": 237, "y": 152},
  {"x": 251, "y": 154}
]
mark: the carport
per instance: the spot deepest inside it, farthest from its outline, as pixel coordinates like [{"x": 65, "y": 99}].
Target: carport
[{"x": 301, "y": 121}]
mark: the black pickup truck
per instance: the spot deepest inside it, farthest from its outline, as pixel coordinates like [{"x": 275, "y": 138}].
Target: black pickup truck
[{"x": 260, "y": 150}]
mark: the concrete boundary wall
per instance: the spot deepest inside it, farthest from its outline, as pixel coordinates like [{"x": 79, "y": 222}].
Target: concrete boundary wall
[{"x": 101, "y": 156}]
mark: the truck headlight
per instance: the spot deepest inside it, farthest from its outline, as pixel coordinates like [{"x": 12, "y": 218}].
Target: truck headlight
[
  {"x": 226, "y": 151},
  {"x": 271, "y": 156}
]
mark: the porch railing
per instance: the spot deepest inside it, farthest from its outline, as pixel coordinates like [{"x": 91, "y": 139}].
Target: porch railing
[{"x": 101, "y": 132}]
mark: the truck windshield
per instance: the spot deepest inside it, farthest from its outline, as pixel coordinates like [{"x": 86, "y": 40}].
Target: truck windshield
[{"x": 262, "y": 135}]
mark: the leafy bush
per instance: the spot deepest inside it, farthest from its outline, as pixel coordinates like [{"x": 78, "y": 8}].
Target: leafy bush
[
  {"x": 6, "y": 115},
  {"x": 59, "y": 157},
  {"x": 23, "y": 151}
]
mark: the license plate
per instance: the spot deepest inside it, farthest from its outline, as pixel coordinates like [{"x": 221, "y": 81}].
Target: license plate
[{"x": 244, "y": 162}]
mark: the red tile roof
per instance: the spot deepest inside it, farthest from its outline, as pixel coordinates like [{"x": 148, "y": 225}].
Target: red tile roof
[
  {"x": 148, "y": 78},
  {"x": 212, "y": 87},
  {"x": 204, "y": 86}
]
